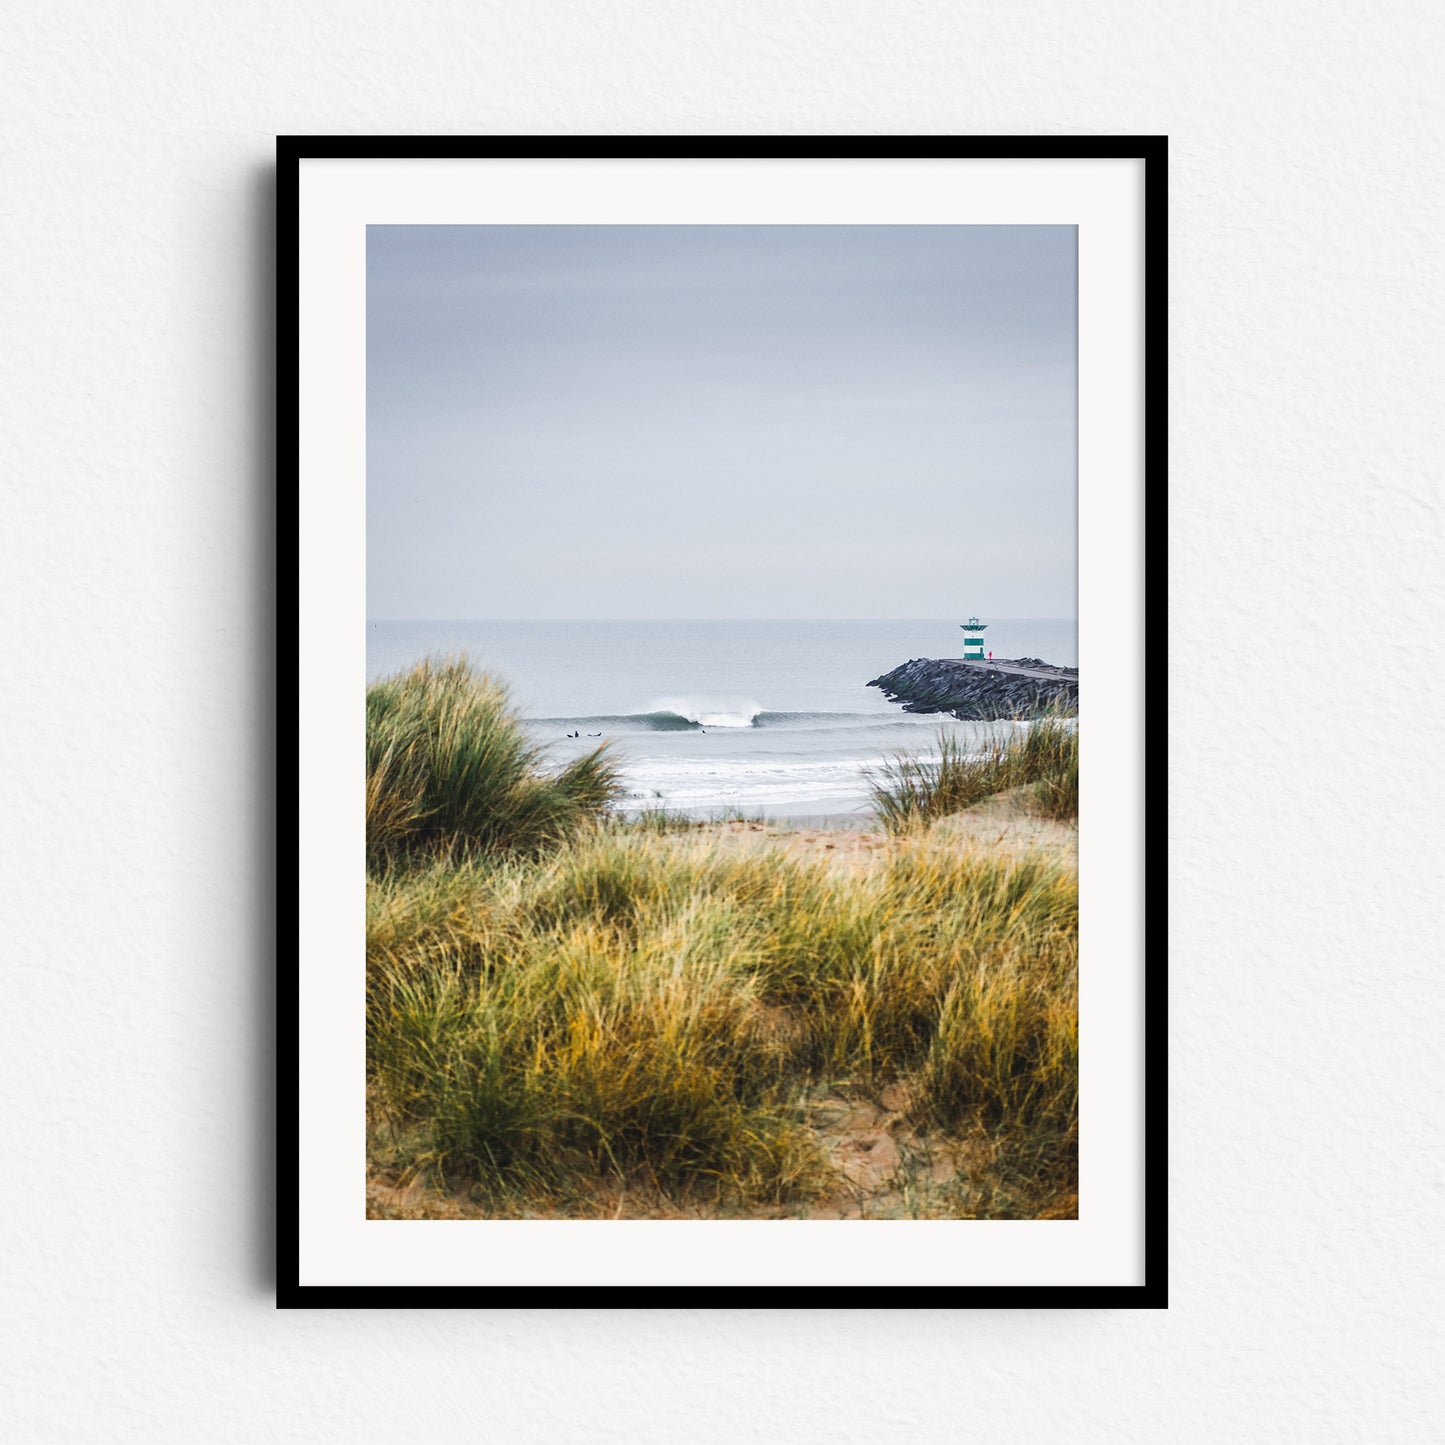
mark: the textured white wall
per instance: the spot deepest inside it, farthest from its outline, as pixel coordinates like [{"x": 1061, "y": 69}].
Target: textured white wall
[{"x": 1306, "y": 501}]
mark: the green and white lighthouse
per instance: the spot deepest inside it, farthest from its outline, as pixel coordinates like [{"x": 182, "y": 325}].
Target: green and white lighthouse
[{"x": 973, "y": 639}]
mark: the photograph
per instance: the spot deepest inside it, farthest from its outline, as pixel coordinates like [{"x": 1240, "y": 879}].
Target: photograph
[{"x": 722, "y": 723}]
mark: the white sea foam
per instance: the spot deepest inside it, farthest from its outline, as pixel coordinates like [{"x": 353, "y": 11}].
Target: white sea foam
[
  {"x": 701, "y": 782},
  {"x": 711, "y": 712}
]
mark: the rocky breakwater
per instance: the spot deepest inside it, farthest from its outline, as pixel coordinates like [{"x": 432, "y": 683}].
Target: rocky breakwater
[{"x": 1019, "y": 687}]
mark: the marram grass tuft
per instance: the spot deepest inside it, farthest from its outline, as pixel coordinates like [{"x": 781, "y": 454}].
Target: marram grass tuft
[
  {"x": 909, "y": 791},
  {"x": 450, "y": 772}
]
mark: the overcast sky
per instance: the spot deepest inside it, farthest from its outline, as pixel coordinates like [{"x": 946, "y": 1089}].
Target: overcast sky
[{"x": 720, "y": 421}]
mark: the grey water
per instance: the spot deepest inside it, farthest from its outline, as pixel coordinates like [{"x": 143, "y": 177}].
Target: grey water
[{"x": 772, "y": 718}]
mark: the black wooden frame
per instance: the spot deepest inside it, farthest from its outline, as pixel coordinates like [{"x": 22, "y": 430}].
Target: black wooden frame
[{"x": 291, "y": 152}]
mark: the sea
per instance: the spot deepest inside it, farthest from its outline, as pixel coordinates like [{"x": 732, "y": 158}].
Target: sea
[{"x": 760, "y": 718}]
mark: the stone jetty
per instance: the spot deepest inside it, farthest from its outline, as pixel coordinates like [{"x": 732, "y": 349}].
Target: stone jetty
[{"x": 1018, "y": 687}]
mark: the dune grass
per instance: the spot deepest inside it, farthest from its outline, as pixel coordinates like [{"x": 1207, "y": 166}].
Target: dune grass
[
  {"x": 908, "y": 791},
  {"x": 651, "y": 1011},
  {"x": 449, "y": 772}
]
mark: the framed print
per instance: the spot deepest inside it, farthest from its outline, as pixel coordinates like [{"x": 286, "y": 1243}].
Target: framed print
[{"x": 718, "y": 580}]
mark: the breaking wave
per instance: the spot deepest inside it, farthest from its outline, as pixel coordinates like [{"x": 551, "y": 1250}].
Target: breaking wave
[{"x": 732, "y": 712}]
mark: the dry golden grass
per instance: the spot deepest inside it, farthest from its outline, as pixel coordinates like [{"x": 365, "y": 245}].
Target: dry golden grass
[{"x": 650, "y": 1014}]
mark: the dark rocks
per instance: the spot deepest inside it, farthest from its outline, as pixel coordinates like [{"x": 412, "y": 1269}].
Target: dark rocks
[{"x": 981, "y": 690}]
